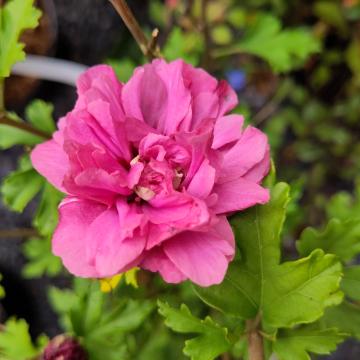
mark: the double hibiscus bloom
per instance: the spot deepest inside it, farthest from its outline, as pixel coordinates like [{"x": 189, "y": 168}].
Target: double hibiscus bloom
[{"x": 151, "y": 169}]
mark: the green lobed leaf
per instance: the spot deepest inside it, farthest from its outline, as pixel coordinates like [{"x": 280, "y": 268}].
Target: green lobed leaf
[
  {"x": 47, "y": 215},
  {"x": 283, "y": 49},
  {"x": 345, "y": 206},
  {"x": 295, "y": 344},
  {"x": 211, "y": 340},
  {"x": 286, "y": 294},
  {"x": 350, "y": 283},
  {"x": 16, "y": 16},
  {"x": 184, "y": 45},
  {"x": 41, "y": 260},
  {"x": 345, "y": 317},
  {"x": 39, "y": 114},
  {"x": 15, "y": 341},
  {"x": 341, "y": 238},
  {"x": 20, "y": 187},
  {"x": 102, "y": 323}
]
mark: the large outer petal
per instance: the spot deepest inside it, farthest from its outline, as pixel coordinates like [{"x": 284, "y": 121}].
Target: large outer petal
[
  {"x": 157, "y": 261},
  {"x": 238, "y": 194},
  {"x": 227, "y": 129},
  {"x": 68, "y": 242},
  {"x": 173, "y": 214},
  {"x": 157, "y": 95},
  {"x": 114, "y": 239},
  {"x": 50, "y": 160},
  {"x": 96, "y": 241},
  {"x": 100, "y": 96},
  {"x": 249, "y": 151},
  {"x": 203, "y": 257}
]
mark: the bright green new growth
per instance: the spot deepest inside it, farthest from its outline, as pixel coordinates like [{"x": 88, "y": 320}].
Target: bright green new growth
[
  {"x": 296, "y": 343},
  {"x": 282, "y": 49},
  {"x": 211, "y": 340},
  {"x": 286, "y": 294},
  {"x": 16, "y": 16},
  {"x": 15, "y": 341}
]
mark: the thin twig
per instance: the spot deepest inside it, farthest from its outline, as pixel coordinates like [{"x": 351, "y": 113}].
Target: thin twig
[
  {"x": 206, "y": 33},
  {"x": 255, "y": 340},
  {"x": 153, "y": 44},
  {"x": 18, "y": 233},
  {"x": 23, "y": 126},
  {"x": 265, "y": 112},
  {"x": 132, "y": 24}
]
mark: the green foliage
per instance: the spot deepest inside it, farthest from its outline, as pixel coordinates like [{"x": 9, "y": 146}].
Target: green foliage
[
  {"x": 345, "y": 317},
  {"x": 296, "y": 343},
  {"x": 11, "y": 136},
  {"x": 20, "y": 187},
  {"x": 123, "y": 68},
  {"x": 341, "y": 238},
  {"x": 38, "y": 114},
  {"x": 283, "y": 49},
  {"x": 47, "y": 216},
  {"x": 41, "y": 261},
  {"x": 101, "y": 322},
  {"x": 211, "y": 340},
  {"x": 15, "y": 341},
  {"x": 16, "y": 16},
  {"x": 345, "y": 206},
  {"x": 185, "y": 45},
  {"x": 258, "y": 283}
]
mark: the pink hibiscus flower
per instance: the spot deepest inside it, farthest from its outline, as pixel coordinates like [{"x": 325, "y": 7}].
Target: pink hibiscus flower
[{"x": 151, "y": 168}]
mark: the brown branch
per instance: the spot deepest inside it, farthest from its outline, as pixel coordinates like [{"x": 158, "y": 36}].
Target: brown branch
[
  {"x": 206, "y": 34},
  {"x": 130, "y": 21},
  {"x": 255, "y": 340},
  {"x": 23, "y": 126},
  {"x": 18, "y": 233}
]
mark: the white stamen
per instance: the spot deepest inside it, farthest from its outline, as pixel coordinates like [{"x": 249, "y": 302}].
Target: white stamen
[{"x": 144, "y": 193}]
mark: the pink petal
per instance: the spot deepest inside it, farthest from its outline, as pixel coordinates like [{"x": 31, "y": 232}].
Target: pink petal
[
  {"x": 153, "y": 98},
  {"x": 205, "y": 106},
  {"x": 203, "y": 181},
  {"x": 238, "y": 195},
  {"x": 260, "y": 170},
  {"x": 68, "y": 242},
  {"x": 201, "y": 256},
  {"x": 227, "y": 98},
  {"x": 244, "y": 155},
  {"x": 111, "y": 132},
  {"x": 136, "y": 130},
  {"x": 178, "y": 96},
  {"x": 112, "y": 244},
  {"x": 50, "y": 160},
  {"x": 173, "y": 214},
  {"x": 130, "y": 95},
  {"x": 227, "y": 130},
  {"x": 198, "y": 80},
  {"x": 157, "y": 261}
]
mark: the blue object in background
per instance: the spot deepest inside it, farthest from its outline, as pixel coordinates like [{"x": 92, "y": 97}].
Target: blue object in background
[{"x": 236, "y": 78}]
